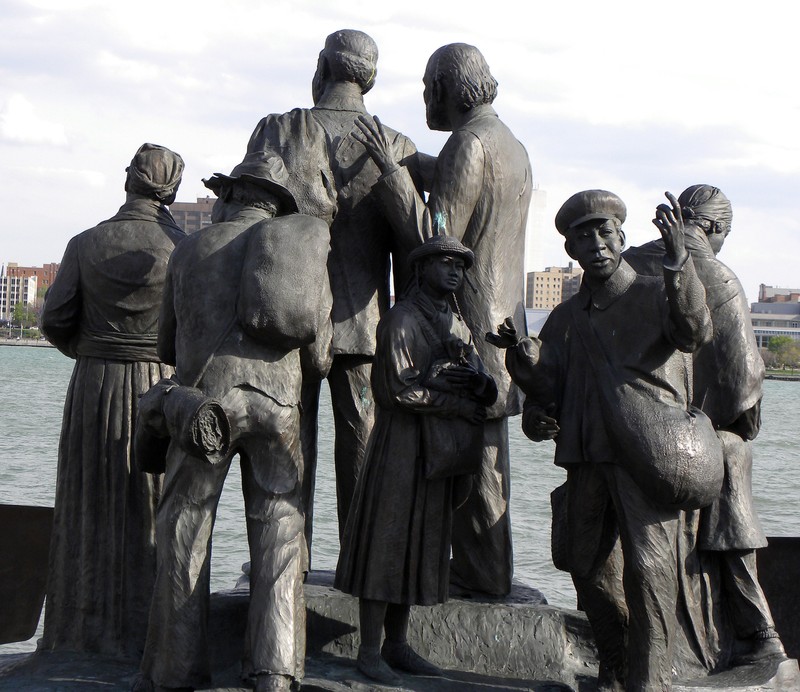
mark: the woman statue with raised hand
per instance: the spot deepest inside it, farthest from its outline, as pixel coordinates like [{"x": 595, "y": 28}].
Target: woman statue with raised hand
[{"x": 431, "y": 392}]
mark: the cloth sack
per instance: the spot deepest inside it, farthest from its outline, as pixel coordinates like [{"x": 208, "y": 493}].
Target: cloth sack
[
  {"x": 450, "y": 446},
  {"x": 283, "y": 281}
]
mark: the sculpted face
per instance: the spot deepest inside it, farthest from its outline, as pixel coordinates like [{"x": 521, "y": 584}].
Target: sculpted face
[
  {"x": 443, "y": 274},
  {"x": 597, "y": 246},
  {"x": 435, "y": 106}
]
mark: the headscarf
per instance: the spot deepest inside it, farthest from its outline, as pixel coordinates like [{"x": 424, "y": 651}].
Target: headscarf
[
  {"x": 155, "y": 171},
  {"x": 705, "y": 202}
]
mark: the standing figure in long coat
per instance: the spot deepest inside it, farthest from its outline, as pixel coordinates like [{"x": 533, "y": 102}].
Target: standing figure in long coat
[
  {"x": 396, "y": 547},
  {"x": 480, "y": 195},
  {"x": 320, "y": 147},
  {"x": 612, "y": 371},
  {"x": 102, "y": 310},
  {"x": 728, "y": 374}
]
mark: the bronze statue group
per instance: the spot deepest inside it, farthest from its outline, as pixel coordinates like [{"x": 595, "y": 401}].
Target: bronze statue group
[{"x": 191, "y": 350}]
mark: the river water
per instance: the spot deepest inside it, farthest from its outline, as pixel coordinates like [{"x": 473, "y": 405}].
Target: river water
[{"x": 33, "y": 384}]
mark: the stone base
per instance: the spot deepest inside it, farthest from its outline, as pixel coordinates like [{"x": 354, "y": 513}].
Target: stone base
[
  {"x": 781, "y": 675},
  {"x": 517, "y": 643}
]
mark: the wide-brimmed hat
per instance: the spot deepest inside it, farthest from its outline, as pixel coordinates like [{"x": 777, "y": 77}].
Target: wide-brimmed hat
[
  {"x": 264, "y": 169},
  {"x": 589, "y": 205},
  {"x": 442, "y": 245}
]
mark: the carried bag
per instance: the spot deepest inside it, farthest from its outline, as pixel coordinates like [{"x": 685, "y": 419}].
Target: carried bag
[
  {"x": 283, "y": 282},
  {"x": 450, "y": 446},
  {"x": 170, "y": 410},
  {"x": 671, "y": 452}
]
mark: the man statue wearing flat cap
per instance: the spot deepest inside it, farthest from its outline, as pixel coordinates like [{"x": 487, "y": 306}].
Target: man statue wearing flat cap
[
  {"x": 102, "y": 310},
  {"x": 608, "y": 380},
  {"x": 480, "y": 195},
  {"x": 241, "y": 298}
]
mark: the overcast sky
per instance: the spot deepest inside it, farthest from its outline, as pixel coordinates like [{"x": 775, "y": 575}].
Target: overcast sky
[{"x": 634, "y": 97}]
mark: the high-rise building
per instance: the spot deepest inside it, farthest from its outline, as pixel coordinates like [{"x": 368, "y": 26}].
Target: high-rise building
[
  {"x": 44, "y": 274},
  {"x": 548, "y": 288},
  {"x": 15, "y": 288},
  {"x": 192, "y": 216}
]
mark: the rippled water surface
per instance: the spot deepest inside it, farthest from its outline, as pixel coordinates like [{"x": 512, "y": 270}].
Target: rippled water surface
[{"x": 33, "y": 383}]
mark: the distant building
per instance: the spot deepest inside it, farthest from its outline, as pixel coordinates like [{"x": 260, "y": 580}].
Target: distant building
[
  {"x": 548, "y": 288},
  {"x": 772, "y": 294},
  {"x": 44, "y": 274},
  {"x": 15, "y": 289},
  {"x": 777, "y": 313},
  {"x": 192, "y": 216}
]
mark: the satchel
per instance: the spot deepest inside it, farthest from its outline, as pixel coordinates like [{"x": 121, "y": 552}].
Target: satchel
[
  {"x": 681, "y": 465},
  {"x": 450, "y": 446},
  {"x": 283, "y": 282}
]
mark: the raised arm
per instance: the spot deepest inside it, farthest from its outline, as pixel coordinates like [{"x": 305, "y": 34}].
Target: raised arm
[{"x": 689, "y": 325}]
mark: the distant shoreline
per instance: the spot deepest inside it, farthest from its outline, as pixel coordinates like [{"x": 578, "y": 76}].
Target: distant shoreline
[
  {"x": 784, "y": 378},
  {"x": 37, "y": 343}
]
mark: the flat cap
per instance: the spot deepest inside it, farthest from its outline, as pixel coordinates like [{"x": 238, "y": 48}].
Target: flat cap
[
  {"x": 588, "y": 206},
  {"x": 442, "y": 245}
]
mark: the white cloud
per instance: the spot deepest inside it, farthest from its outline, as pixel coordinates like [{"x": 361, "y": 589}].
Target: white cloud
[
  {"x": 121, "y": 69},
  {"x": 77, "y": 177},
  {"x": 20, "y": 123}
]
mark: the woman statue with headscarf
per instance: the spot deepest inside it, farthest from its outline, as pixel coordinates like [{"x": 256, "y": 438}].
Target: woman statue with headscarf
[{"x": 102, "y": 310}]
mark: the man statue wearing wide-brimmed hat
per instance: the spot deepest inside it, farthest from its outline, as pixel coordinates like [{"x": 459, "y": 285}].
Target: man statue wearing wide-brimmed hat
[
  {"x": 102, "y": 310},
  {"x": 609, "y": 381},
  {"x": 432, "y": 393},
  {"x": 243, "y": 298}
]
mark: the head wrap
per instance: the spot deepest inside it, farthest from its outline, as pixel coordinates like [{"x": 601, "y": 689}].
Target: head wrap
[
  {"x": 155, "y": 171},
  {"x": 705, "y": 202}
]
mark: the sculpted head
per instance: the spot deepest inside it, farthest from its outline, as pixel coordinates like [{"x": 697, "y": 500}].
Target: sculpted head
[
  {"x": 440, "y": 263},
  {"x": 707, "y": 208},
  {"x": 260, "y": 180},
  {"x": 348, "y": 56},
  {"x": 591, "y": 223},
  {"x": 456, "y": 77},
  {"x": 155, "y": 172}
]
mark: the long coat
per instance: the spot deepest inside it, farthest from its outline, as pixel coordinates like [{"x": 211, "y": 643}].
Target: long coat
[
  {"x": 102, "y": 309},
  {"x": 396, "y": 546}
]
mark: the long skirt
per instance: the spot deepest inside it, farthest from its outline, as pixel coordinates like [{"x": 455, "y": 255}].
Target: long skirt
[
  {"x": 396, "y": 545},
  {"x": 102, "y": 552}
]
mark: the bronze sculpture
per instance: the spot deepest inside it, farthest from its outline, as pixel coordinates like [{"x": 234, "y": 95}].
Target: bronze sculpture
[
  {"x": 396, "y": 547},
  {"x": 224, "y": 327},
  {"x": 102, "y": 310},
  {"x": 480, "y": 194},
  {"x": 621, "y": 332},
  {"x": 322, "y": 139},
  {"x": 727, "y": 375}
]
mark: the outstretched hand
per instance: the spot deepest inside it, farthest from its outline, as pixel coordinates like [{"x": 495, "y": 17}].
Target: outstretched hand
[
  {"x": 506, "y": 336},
  {"x": 371, "y": 133},
  {"x": 669, "y": 221}
]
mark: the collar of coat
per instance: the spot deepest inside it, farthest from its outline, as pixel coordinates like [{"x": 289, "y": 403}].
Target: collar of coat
[{"x": 604, "y": 295}]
